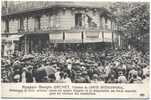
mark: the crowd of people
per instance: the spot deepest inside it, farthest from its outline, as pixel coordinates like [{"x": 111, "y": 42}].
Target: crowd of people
[{"x": 88, "y": 66}]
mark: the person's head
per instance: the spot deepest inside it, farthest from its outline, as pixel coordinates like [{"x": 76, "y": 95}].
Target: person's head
[
  {"x": 17, "y": 78},
  {"x": 51, "y": 78},
  {"x": 138, "y": 68},
  {"x": 112, "y": 76},
  {"x": 30, "y": 68},
  {"x": 99, "y": 64},
  {"x": 54, "y": 66},
  {"x": 84, "y": 73},
  {"x": 134, "y": 76},
  {"x": 58, "y": 68},
  {"x": 65, "y": 75},
  {"x": 120, "y": 73},
  {"x": 78, "y": 73},
  {"x": 95, "y": 76},
  {"x": 47, "y": 63},
  {"x": 61, "y": 74}
]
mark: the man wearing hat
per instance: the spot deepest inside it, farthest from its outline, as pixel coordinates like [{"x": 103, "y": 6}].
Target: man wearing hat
[
  {"x": 86, "y": 77},
  {"x": 121, "y": 77},
  {"x": 78, "y": 77},
  {"x": 17, "y": 69},
  {"x": 94, "y": 78},
  {"x": 67, "y": 79},
  {"x": 29, "y": 74},
  {"x": 28, "y": 68},
  {"x": 135, "y": 78},
  {"x": 16, "y": 78},
  {"x": 131, "y": 72},
  {"x": 57, "y": 74}
]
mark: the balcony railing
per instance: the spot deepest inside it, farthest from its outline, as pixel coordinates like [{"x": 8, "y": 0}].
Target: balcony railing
[{"x": 59, "y": 29}]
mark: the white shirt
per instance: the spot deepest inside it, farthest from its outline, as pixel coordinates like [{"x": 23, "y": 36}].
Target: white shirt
[
  {"x": 67, "y": 80},
  {"x": 57, "y": 75},
  {"x": 69, "y": 66}
]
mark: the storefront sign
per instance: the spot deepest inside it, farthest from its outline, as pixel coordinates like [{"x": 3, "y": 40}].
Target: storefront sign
[
  {"x": 56, "y": 36},
  {"x": 92, "y": 35},
  {"x": 73, "y": 36}
]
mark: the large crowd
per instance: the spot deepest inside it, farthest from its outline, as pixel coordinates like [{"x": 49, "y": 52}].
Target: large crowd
[{"x": 89, "y": 66}]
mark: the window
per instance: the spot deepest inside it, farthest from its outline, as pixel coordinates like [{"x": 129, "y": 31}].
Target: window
[
  {"x": 90, "y": 21},
  {"x": 78, "y": 19},
  {"x": 37, "y": 23},
  {"x": 106, "y": 23},
  {"x": 7, "y": 26},
  {"x": 21, "y": 24},
  {"x": 101, "y": 23}
]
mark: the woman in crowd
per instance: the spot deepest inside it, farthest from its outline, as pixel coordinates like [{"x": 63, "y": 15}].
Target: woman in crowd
[{"x": 112, "y": 66}]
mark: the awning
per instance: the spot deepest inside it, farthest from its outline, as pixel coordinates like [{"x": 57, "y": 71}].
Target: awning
[
  {"x": 14, "y": 37},
  {"x": 88, "y": 37},
  {"x": 56, "y": 36},
  {"x": 92, "y": 35},
  {"x": 73, "y": 36},
  {"x": 4, "y": 38}
]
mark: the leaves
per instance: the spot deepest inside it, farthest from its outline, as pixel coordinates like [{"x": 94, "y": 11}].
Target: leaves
[{"x": 133, "y": 18}]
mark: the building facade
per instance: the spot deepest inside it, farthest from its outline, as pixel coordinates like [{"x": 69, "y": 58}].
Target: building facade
[{"x": 35, "y": 27}]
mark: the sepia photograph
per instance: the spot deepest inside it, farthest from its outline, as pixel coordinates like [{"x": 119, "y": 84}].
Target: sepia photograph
[{"x": 75, "y": 42}]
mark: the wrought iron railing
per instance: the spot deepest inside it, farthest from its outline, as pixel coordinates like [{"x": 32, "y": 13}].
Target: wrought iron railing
[{"x": 57, "y": 29}]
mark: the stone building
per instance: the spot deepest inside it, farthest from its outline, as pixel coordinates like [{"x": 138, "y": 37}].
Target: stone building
[{"x": 34, "y": 26}]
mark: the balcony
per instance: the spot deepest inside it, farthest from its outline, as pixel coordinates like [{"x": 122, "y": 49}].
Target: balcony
[{"x": 58, "y": 29}]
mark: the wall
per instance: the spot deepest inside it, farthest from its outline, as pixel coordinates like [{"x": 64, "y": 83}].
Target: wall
[
  {"x": 63, "y": 20},
  {"x": 67, "y": 19}
]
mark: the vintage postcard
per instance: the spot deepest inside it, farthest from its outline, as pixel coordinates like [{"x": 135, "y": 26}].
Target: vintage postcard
[{"x": 73, "y": 49}]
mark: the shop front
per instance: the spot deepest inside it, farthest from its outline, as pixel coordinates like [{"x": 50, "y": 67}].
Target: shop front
[
  {"x": 34, "y": 43},
  {"x": 61, "y": 41},
  {"x": 10, "y": 44}
]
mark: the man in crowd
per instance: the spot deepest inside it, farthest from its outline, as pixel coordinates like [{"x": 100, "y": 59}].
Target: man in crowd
[{"x": 77, "y": 67}]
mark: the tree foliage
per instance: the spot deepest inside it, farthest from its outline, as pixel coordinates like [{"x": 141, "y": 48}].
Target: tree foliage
[{"x": 132, "y": 19}]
